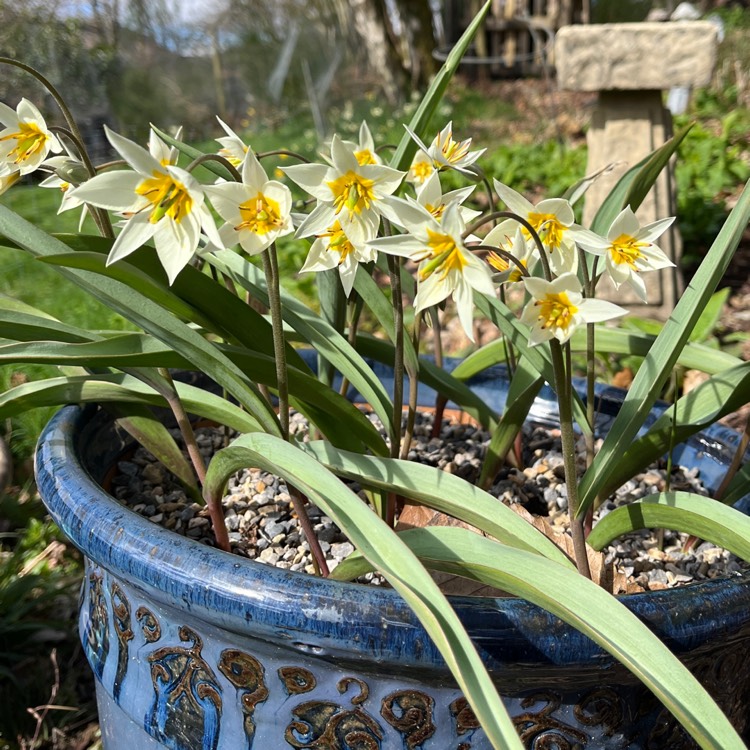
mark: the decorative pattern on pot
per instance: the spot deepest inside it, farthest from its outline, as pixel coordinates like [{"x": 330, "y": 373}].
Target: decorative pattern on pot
[{"x": 199, "y": 701}]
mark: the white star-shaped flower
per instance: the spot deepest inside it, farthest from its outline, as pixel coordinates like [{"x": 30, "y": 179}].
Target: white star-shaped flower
[{"x": 558, "y": 307}]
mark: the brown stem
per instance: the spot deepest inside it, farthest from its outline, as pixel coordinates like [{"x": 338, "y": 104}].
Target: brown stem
[{"x": 298, "y": 503}]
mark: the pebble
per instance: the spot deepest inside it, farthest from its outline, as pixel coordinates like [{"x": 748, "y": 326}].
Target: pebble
[{"x": 261, "y": 525}]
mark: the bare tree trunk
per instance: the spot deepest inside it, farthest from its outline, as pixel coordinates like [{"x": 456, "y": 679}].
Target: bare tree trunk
[{"x": 368, "y": 23}]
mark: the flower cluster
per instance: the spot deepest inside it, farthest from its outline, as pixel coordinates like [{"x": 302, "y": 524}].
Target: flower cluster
[{"x": 362, "y": 208}]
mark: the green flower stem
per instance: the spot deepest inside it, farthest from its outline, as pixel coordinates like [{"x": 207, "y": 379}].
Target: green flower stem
[
  {"x": 355, "y": 306},
  {"x": 525, "y": 224},
  {"x": 283, "y": 152},
  {"x": 203, "y": 158},
  {"x": 394, "y": 270},
  {"x": 503, "y": 254},
  {"x": 271, "y": 270},
  {"x": 440, "y": 400},
  {"x": 589, "y": 291},
  {"x": 510, "y": 352},
  {"x": 413, "y": 393},
  {"x": 563, "y": 387}
]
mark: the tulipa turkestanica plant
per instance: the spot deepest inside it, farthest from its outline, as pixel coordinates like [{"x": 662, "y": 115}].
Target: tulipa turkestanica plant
[{"x": 188, "y": 240}]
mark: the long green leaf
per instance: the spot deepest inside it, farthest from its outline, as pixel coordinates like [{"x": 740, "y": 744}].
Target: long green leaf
[
  {"x": 705, "y": 404},
  {"x": 634, "y": 185},
  {"x": 435, "y": 377},
  {"x": 694, "y": 356},
  {"x": 687, "y": 512},
  {"x": 439, "y": 490},
  {"x": 421, "y": 119},
  {"x": 150, "y": 432},
  {"x": 193, "y": 297},
  {"x": 382, "y": 547},
  {"x": 338, "y": 419},
  {"x": 663, "y": 355},
  {"x": 147, "y": 314},
  {"x": 124, "y": 389},
  {"x": 587, "y": 607},
  {"x": 320, "y": 335}
]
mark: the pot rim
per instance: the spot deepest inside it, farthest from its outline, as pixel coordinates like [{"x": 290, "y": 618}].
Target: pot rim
[{"x": 334, "y": 619}]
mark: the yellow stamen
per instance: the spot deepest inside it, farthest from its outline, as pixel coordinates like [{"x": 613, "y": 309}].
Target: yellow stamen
[
  {"x": 452, "y": 150},
  {"x": 421, "y": 170},
  {"x": 352, "y": 191},
  {"x": 338, "y": 242},
  {"x": 556, "y": 310},
  {"x": 29, "y": 141},
  {"x": 626, "y": 249},
  {"x": 365, "y": 156},
  {"x": 444, "y": 256},
  {"x": 436, "y": 211},
  {"x": 167, "y": 196},
  {"x": 548, "y": 227},
  {"x": 260, "y": 215}
]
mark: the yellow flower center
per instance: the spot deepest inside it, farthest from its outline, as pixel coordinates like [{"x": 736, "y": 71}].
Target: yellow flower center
[
  {"x": 452, "y": 150},
  {"x": 365, "y": 156},
  {"x": 352, "y": 191},
  {"x": 444, "y": 256},
  {"x": 626, "y": 249},
  {"x": 338, "y": 242},
  {"x": 436, "y": 211},
  {"x": 499, "y": 263},
  {"x": 549, "y": 229},
  {"x": 260, "y": 215},
  {"x": 167, "y": 196},
  {"x": 556, "y": 310},
  {"x": 29, "y": 141},
  {"x": 421, "y": 171}
]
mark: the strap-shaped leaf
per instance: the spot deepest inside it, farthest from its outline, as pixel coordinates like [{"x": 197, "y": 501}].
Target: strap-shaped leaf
[
  {"x": 435, "y": 377},
  {"x": 338, "y": 419},
  {"x": 587, "y": 607},
  {"x": 123, "y": 389},
  {"x": 147, "y": 314},
  {"x": 421, "y": 119},
  {"x": 634, "y": 185},
  {"x": 663, "y": 355},
  {"x": 705, "y": 404},
  {"x": 149, "y": 431},
  {"x": 194, "y": 297},
  {"x": 320, "y": 335},
  {"x": 620, "y": 341},
  {"x": 440, "y": 490},
  {"x": 382, "y": 547},
  {"x": 687, "y": 512}
]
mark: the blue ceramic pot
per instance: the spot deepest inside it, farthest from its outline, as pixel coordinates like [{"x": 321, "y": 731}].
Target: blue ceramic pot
[{"x": 195, "y": 648}]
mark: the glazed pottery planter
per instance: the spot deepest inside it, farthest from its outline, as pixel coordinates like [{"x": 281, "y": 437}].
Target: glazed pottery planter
[{"x": 195, "y": 648}]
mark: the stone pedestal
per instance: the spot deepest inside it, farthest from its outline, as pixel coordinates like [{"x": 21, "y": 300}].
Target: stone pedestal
[{"x": 630, "y": 65}]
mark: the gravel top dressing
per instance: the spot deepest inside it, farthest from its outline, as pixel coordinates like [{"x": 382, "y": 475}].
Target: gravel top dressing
[{"x": 262, "y": 527}]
